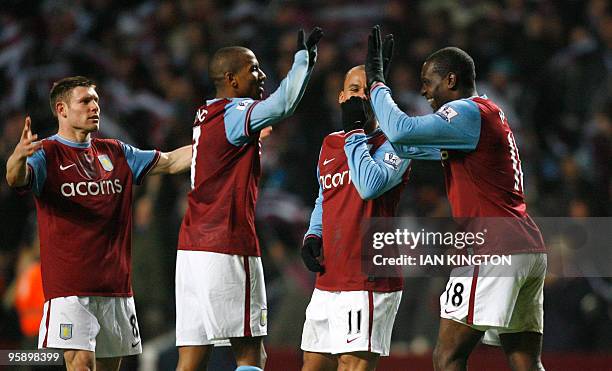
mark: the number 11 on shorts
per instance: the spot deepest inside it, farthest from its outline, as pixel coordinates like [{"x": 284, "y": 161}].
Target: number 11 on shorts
[{"x": 354, "y": 322}]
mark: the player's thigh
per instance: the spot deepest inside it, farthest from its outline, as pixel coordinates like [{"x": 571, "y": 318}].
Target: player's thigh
[
  {"x": 482, "y": 296},
  {"x": 362, "y": 321},
  {"x": 219, "y": 296},
  {"x": 192, "y": 357},
  {"x": 119, "y": 331},
  {"x": 455, "y": 340},
  {"x": 358, "y": 361},
  {"x": 527, "y": 314},
  {"x": 68, "y": 323},
  {"x": 316, "y": 336},
  {"x": 108, "y": 364},
  {"x": 319, "y": 362}
]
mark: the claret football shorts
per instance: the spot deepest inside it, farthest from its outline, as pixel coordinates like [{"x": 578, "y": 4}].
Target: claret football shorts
[
  {"x": 218, "y": 296},
  {"x": 350, "y": 321},
  {"x": 102, "y": 324},
  {"x": 498, "y": 299}
]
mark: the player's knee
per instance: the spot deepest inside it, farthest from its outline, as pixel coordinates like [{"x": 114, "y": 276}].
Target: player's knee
[
  {"x": 363, "y": 362},
  {"x": 347, "y": 363},
  {"x": 185, "y": 364},
  {"x": 525, "y": 362},
  {"x": 444, "y": 358},
  {"x": 79, "y": 360}
]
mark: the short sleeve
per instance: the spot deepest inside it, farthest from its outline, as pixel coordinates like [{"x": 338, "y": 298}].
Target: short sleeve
[
  {"x": 38, "y": 166},
  {"x": 139, "y": 161}
]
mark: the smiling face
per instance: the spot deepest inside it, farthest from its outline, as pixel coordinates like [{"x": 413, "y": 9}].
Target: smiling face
[
  {"x": 435, "y": 88},
  {"x": 249, "y": 80},
  {"x": 354, "y": 84},
  {"x": 81, "y": 111}
]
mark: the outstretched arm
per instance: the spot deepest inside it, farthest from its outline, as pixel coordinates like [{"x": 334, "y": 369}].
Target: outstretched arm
[
  {"x": 175, "y": 162},
  {"x": 17, "y": 171},
  {"x": 246, "y": 116},
  {"x": 372, "y": 175},
  {"x": 456, "y": 125}
]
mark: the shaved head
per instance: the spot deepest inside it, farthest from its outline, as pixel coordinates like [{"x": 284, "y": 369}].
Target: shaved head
[
  {"x": 230, "y": 59},
  {"x": 360, "y": 67}
]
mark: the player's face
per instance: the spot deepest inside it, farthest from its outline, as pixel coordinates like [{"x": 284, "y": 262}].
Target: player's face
[
  {"x": 355, "y": 86},
  {"x": 250, "y": 79},
  {"x": 434, "y": 87},
  {"x": 83, "y": 111}
]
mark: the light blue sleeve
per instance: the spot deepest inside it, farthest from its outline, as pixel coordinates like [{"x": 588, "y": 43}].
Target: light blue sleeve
[
  {"x": 244, "y": 116},
  {"x": 316, "y": 218},
  {"x": 140, "y": 161},
  {"x": 373, "y": 175},
  {"x": 456, "y": 125},
  {"x": 416, "y": 153},
  {"x": 38, "y": 164}
]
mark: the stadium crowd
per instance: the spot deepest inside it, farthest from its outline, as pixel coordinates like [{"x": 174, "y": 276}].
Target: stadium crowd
[{"x": 547, "y": 63}]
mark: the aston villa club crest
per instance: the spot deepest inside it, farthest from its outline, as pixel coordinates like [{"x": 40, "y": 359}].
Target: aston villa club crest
[
  {"x": 65, "y": 331},
  {"x": 105, "y": 162}
]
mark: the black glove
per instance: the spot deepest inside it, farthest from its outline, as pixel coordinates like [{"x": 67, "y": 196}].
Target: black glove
[
  {"x": 353, "y": 114},
  {"x": 374, "y": 60},
  {"x": 310, "y": 252},
  {"x": 387, "y": 54},
  {"x": 310, "y": 44}
]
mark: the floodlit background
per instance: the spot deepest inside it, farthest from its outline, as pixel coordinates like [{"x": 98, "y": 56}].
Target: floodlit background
[{"x": 548, "y": 65}]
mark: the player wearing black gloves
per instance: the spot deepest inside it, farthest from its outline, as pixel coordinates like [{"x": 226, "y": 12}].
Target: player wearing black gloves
[
  {"x": 350, "y": 316},
  {"x": 311, "y": 44},
  {"x": 311, "y": 251}
]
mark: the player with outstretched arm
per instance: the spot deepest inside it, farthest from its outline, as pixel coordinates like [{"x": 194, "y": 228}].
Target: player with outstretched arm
[
  {"x": 351, "y": 313},
  {"x": 220, "y": 289},
  {"x": 484, "y": 181},
  {"x": 83, "y": 192}
]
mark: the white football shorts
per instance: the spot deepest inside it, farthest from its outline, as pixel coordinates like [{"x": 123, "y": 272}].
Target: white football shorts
[
  {"x": 498, "y": 299},
  {"x": 105, "y": 325},
  {"x": 219, "y": 296},
  {"x": 350, "y": 321}
]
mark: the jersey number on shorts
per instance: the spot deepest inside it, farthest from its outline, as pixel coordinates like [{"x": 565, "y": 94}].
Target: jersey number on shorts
[
  {"x": 134, "y": 326},
  {"x": 351, "y": 319},
  {"x": 456, "y": 297}
]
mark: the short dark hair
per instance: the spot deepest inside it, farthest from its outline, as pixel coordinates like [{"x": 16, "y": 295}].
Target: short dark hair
[
  {"x": 228, "y": 59},
  {"x": 62, "y": 89},
  {"x": 455, "y": 60}
]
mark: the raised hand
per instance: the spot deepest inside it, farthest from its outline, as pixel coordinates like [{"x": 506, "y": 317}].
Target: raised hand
[
  {"x": 387, "y": 54},
  {"x": 353, "y": 113},
  {"x": 27, "y": 143},
  {"x": 374, "y": 60},
  {"x": 310, "y": 44}
]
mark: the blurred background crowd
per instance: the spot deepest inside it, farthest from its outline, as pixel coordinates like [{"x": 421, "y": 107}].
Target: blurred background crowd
[{"x": 547, "y": 64}]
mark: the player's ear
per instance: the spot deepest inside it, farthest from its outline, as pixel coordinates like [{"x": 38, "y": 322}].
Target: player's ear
[
  {"x": 451, "y": 81},
  {"x": 230, "y": 78},
  {"x": 341, "y": 97},
  {"x": 60, "y": 108}
]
